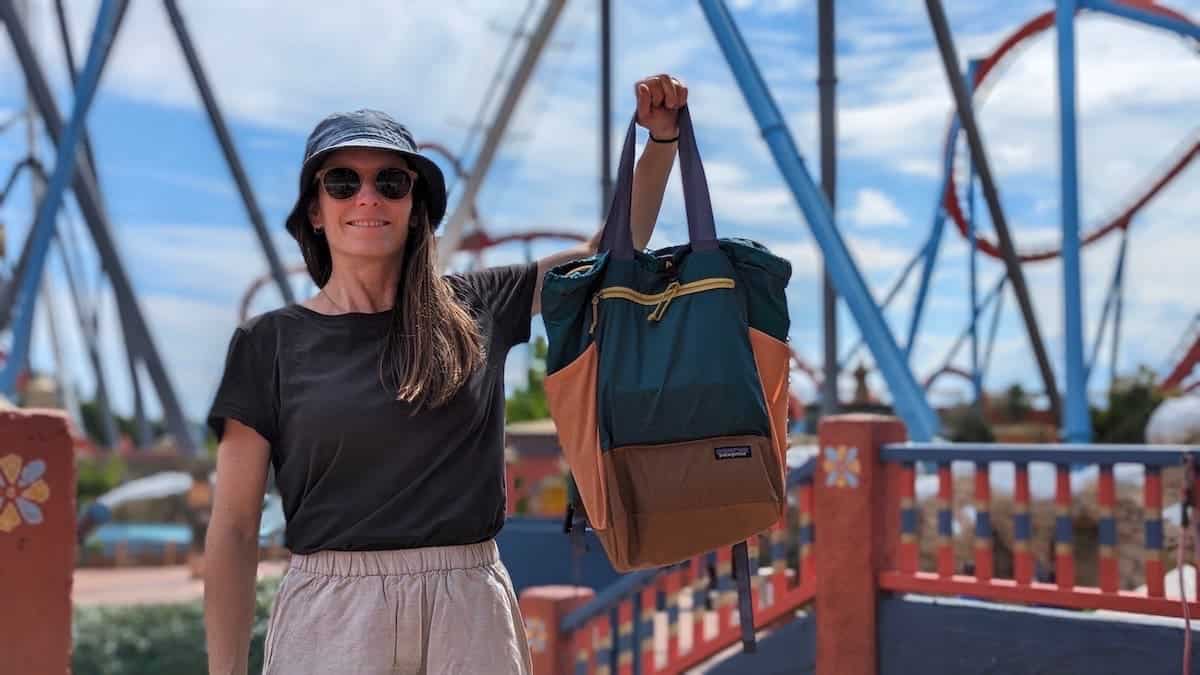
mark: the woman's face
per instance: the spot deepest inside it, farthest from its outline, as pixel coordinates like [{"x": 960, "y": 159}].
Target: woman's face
[{"x": 366, "y": 224}]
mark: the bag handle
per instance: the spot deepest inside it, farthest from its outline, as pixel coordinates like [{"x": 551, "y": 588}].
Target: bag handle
[{"x": 618, "y": 237}]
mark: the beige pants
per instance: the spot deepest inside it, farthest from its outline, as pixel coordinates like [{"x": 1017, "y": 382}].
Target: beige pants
[{"x": 431, "y": 611}]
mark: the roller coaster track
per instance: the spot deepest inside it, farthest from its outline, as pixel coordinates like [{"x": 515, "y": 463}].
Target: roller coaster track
[
  {"x": 1188, "y": 151},
  {"x": 1185, "y": 356}
]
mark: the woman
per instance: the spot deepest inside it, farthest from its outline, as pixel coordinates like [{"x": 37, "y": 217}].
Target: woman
[{"x": 380, "y": 404}]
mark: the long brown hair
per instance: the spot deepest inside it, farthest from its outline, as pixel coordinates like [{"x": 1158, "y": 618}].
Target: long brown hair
[{"x": 433, "y": 344}]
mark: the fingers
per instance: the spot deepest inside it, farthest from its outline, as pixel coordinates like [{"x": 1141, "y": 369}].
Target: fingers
[
  {"x": 667, "y": 83},
  {"x": 660, "y": 90},
  {"x": 643, "y": 99}
]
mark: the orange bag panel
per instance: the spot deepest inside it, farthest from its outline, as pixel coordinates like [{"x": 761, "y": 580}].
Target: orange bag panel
[
  {"x": 571, "y": 395},
  {"x": 772, "y": 357}
]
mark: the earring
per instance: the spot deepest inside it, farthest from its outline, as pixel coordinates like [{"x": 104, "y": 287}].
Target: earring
[{"x": 319, "y": 231}]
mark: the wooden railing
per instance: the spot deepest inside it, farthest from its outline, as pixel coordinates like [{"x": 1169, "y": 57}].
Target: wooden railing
[{"x": 1064, "y": 591}]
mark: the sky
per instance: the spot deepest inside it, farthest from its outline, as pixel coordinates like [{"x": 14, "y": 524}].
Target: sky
[{"x": 187, "y": 243}]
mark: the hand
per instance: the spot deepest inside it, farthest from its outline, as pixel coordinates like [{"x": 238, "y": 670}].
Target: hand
[{"x": 659, "y": 99}]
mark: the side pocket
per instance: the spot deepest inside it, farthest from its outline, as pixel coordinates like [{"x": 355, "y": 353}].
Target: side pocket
[
  {"x": 772, "y": 357},
  {"x": 571, "y": 395}
]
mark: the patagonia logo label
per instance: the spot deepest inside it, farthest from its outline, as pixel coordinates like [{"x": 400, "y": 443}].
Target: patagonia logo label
[{"x": 732, "y": 452}]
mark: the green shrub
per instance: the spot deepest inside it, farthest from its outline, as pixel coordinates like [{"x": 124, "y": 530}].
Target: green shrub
[
  {"x": 94, "y": 477},
  {"x": 156, "y": 639}
]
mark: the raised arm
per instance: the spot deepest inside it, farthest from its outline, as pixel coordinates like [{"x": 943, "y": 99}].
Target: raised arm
[{"x": 659, "y": 99}]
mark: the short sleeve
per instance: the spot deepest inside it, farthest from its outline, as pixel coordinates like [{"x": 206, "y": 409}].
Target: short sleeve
[
  {"x": 246, "y": 390},
  {"x": 506, "y": 293}
]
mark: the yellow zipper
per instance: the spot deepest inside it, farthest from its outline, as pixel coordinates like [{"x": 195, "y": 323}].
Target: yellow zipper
[{"x": 659, "y": 301}]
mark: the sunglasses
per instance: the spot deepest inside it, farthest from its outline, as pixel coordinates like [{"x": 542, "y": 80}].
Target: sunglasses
[{"x": 343, "y": 183}]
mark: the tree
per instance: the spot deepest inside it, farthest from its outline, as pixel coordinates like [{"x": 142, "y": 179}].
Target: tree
[
  {"x": 94, "y": 427},
  {"x": 529, "y": 402},
  {"x": 1016, "y": 403},
  {"x": 965, "y": 424},
  {"x": 1130, "y": 404}
]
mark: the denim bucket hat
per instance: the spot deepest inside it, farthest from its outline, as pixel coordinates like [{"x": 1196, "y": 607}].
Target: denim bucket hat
[{"x": 367, "y": 129}]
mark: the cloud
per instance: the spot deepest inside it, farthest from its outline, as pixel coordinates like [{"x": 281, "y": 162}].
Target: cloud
[{"x": 872, "y": 208}]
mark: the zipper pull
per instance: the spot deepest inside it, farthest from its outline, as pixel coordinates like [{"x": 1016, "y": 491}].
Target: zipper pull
[
  {"x": 595, "y": 313},
  {"x": 661, "y": 307}
]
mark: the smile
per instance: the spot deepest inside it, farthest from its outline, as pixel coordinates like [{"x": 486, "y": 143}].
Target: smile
[{"x": 367, "y": 223}]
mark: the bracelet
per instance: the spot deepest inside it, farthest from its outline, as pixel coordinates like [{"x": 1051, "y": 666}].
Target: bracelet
[{"x": 664, "y": 140}]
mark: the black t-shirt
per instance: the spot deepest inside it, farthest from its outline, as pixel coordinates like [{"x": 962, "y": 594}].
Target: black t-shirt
[{"x": 355, "y": 470}]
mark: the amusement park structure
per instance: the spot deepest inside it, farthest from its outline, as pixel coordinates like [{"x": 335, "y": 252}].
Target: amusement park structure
[{"x": 965, "y": 167}]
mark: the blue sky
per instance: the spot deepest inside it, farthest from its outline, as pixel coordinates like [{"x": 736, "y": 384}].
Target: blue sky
[{"x": 187, "y": 242}]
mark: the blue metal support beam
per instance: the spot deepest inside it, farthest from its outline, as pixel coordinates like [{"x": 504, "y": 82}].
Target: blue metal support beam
[
  {"x": 991, "y": 343},
  {"x": 908, "y": 396},
  {"x": 107, "y": 20},
  {"x": 1076, "y": 421},
  {"x": 988, "y": 298},
  {"x": 887, "y": 301},
  {"x": 933, "y": 245},
  {"x": 1125, "y": 11},
  {"x": 973, "y": 260},
  {"x": 1110, "y": 301},
  {"x": 1119, "y": 303}
]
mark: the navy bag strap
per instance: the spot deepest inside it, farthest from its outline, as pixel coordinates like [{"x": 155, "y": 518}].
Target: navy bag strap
[
  {"x": 702, "y": 232},
  {"x": 741, "y": 574}
]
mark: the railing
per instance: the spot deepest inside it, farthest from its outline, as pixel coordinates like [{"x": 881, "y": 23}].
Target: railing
[
  {"x": 1061, "y": 589},
  {"x": 867, "y": 500},
  {"x": 671, "y": 619}
]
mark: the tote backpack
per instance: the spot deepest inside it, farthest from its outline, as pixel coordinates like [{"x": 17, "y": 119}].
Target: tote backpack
[{"x": 667, "y": 378}]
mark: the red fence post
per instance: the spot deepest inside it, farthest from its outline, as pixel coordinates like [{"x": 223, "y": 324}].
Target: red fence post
[
  {"x": 37, "y": 541},
  {"x": 851, "y": 522},
  {"x": 543, "y": 608}
]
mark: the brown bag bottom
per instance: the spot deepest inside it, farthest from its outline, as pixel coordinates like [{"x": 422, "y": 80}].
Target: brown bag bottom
[{"x": 670, "y": 502}]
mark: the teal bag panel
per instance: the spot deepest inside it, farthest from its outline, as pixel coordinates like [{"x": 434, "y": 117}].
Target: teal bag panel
[
  {"x": 763, "y": 277},
  {"x": 567, "y": 292},
  {"x": 690, "y": 374}
]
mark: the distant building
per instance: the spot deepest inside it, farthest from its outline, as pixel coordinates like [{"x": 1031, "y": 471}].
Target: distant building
[{"x": 536, "y": 469}]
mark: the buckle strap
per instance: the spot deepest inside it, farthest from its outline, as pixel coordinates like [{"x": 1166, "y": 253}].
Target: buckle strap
[{"x": 741, "y": 574}]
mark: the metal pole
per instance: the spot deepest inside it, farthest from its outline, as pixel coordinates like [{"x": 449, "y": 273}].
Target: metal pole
[
  {"x": 1110, "y": 299},
  {"x": 973, "y": 260},
  {"x": 606, "y": 184},
  {"x": 453, "y": 231},
  {"x": 140, "y": 425},
  {"x": 907, "y": 395},
  {"x": 844, "y": 361},
  {"x": 231, "y": 155},
  {"x": 966, "y": 116},
  {"x": 991, "y": 343},
  {"x": 47, "y": 213},
  {"x": 984, "y": 304},
  {"x": 827, "y": 87},
  {"x": 64, "y": 34},
  {"x": 935, "y": 241},
  {"x": 87, "y": 331},
  {"x": 1077, "y": 423},
  {"x": 86, "y": 195},
  {"x": 1120, "y": 302}
]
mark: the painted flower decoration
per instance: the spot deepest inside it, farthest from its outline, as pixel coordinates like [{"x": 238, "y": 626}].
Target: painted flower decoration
[
  {"x": 21, "y": 490},
  {"x": 535, "y": 633},
  {"x": 842, "y": 467}
]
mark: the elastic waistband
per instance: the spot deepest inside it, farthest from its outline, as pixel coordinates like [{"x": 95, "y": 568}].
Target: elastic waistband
[{"x": 397, "y": 561}]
